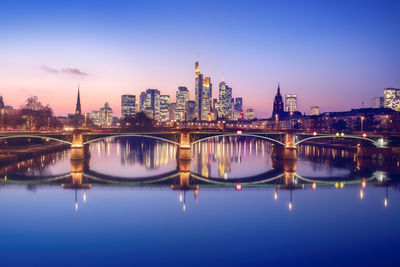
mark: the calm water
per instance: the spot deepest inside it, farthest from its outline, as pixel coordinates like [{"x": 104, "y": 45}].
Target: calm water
[{"x": 127, "y": 204}]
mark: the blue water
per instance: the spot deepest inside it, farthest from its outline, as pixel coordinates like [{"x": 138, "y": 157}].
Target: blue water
[{"x": 119, "y": 225}]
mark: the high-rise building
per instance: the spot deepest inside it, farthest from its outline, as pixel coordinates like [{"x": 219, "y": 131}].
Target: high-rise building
[
  {"x": 291, "y": 102},
  {"x": 278, "y": 103},
  {"x": 150, "y": 103},
  {"x": 314, "y": 111},
  {"x": 164, "y": 108},
  {"x": 106, "y": 118},
  {"x": 128, "y": 106},
  {"x": 95, "y": 117},
  {"x": 182, "y": 96},
  {"x": 377, "y": 102},
  {"x": 225, "y": 101},
  {"x": 392, "y": 98},
  {"x": 190, "y": 110},
  {"x": 238, "y": 107},
  {"x": 203, "y": 94},
  {"x": 172, "y": 110},
  {"x": 250, "y": 114}
]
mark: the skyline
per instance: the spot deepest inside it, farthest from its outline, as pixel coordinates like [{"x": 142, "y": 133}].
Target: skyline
[{"x": 334, "y": 60}]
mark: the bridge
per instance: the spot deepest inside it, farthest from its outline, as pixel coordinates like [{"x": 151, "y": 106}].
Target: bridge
[{"x": 285, "y": 142}]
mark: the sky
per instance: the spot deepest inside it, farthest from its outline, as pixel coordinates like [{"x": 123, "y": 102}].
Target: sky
[{"x": 333, "y": 54}]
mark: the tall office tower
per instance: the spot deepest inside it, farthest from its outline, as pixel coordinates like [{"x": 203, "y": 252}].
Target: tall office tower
[
  {"x": 198, "y": 86},
  {"x": 314, "y": 111},
  {"x": 172, "y": 110},
  {"x": 2, "y": 102},
  {"x": 250, "y": 114},
  {"x": 377, "y": 102},
  {"x": 190, "y": 110},
  {"x": 278, "y": 103},
  {"x": 128, "y": 106},
  {"x": 392, "y": 98},
  {"x": 142, "y": 101},
  {"x": 225, "y": 100},
  {"x": 206, "y": 99},
  {"x": 238, "y": 107},
  {"x": 182, "y": 96},
  {"x": 291, "y": 102},
  {"x": 164, "y": 108},
  {"x": 152, "y": 106},
  {"x": 215, "y": 108},
  {"x": 106, "y": 116},
  {"x": 95, "y": 117}
]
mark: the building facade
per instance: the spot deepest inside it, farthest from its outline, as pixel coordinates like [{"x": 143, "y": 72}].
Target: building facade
[
  {"x": 182, "y": 96},
  {"x": 314, "y": 111},
  {"x": 392, "y": 98},
  {"x": 190, "y": 110},
  {"x": 164, "y": 108},
  {"x": 278, "y": 103},
  {"x": 128, "y": 106},
  {"x": 291, "y": 102},
  {"x": 225, "y": 101}
]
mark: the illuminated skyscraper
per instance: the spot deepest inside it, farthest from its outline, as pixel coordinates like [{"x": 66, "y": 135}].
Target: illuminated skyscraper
[
  {"x": 250, "y": 114},
  {"x": 278, "y": 103},
  {"x": 203, "y": 94},
  {"x": 392, "y": 98},
  {"x": 182, "y": 96},
  {"x": 150, "y": 103},
  {"x": 238, "y": 107},
  {"x": 314, "y": 111},
  {"x": 190, "y": 110},
  {"x": 225, "y": 101},
  {"x": 106, "y": 115},
  {"x": 128, "y": 106},
  {"x": 164, "y": 108},
  {"x": 291, "y": 102}
]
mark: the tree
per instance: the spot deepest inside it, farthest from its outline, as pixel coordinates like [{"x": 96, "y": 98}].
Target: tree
[
  {"x": 340, "y": 125},
  {"x": 139, "y": 121},
  {"x": 35, "y": 115}
]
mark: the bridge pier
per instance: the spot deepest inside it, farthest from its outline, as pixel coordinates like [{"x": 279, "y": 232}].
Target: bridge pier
[
  {"x": 77, "y": 140},
  {"x": 287, "y": 152}
]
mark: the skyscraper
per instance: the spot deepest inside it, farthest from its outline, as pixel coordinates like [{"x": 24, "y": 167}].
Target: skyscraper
[
  {"x": 250, "y": 114},
  {"x": 377, "y": 102},
  {"x": 128, "y": 106},
  {"x": 291, "y": 102},
  {"x": 106, "y": 115},
  {"x": 278, "y": 103},
  {"x": 150, "y": 103},
  {"x": 392, "y": 98},
  {"x": 203, "y": 94},
  {"x": 314, "y": 111},
  {"x": 182, "y": 96},
  {"x": 225, "y": 101},
  {"x": 172, "y": 110},
  {"x": 190, "y": 110},
  {"x": 164, "y": 108},
  {"x": 238, "y": 107}
]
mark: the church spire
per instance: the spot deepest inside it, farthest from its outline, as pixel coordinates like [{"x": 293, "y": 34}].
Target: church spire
[
  {"x": 279, "y": 89},
  {"x": 78, "y": 110}
]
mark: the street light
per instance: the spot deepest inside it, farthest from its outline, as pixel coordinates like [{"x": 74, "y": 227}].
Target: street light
[{"x": 362, "y": 123}]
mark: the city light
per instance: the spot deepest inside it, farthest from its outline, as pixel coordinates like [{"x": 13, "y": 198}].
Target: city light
[
  {"x": 314, "y": 133},
  {"x": 275, "y": 194},
  {"x": 363, "y": 183},
  {"x": 314, "y": 186},
  {"x": 238, "y": 187},
  {"x": 364, "y": 135},
  {"x": 239, "y": 132}
]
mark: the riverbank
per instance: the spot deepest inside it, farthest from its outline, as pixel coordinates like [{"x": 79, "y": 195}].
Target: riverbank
[{"x": 17, "y": 153}]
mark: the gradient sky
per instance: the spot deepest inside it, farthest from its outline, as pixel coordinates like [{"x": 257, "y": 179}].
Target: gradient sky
[{"x": 334, "y": 54}]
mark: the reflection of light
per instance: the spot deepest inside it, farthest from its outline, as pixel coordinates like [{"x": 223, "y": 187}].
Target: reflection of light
[
  {"x": 290, "y": 206},
  {"x": 276, "y": 194},
  {"x": 76, "y": 206},
  {"x": 336, "y": 184},
  {"x": 314, "y": 186},
  {"x": 225, "y": 175},
  {"x": 341, "y": 184},
  {"x": 385, "y": 202},
  {"x": 238, "y": 187},
  {"x": 361, "y": 194},
  {"x": 180, "y": 197},
  {"x": 84, "y": 196},
  {"x": 184, "y": 207}
]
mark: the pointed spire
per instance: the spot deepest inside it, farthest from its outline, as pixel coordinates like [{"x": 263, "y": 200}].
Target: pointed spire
[
  {"x": 279, "y": 89},
  {"x": 78, "y": 109}
]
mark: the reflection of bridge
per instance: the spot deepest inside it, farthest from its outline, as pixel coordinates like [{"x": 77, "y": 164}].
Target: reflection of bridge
[{"x": 285, "y": 143}]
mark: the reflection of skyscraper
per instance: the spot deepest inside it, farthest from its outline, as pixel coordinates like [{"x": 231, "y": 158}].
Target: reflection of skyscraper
[
  {"x": 164, "y": 108},
  {"x": 128, "y": 103},
  {"x": 182, "y": 96}
]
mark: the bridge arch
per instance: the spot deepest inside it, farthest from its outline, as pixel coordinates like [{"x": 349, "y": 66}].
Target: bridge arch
[
  {"x": 35, "y": 136},
  {"x": 376, "y": 143},
  {"x": 131, "y": 135},
  {"x": 271, "y": 140}
]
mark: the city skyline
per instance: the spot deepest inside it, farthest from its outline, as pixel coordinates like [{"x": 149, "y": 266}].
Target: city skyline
[{"x": 335, "y": 60}]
